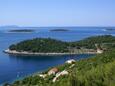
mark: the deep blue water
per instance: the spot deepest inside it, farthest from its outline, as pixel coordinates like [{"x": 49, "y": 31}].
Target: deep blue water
[{"x": 12, "y": 67}]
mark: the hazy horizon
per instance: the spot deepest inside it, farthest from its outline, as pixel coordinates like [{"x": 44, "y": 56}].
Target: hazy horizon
[{"x": 19, "y": 26}]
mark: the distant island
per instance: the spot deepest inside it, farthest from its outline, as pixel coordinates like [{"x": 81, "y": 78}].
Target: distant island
[
  {"x": 109, "y": 29},
  {"x": 23, "y": 30},
  {"x": 60, "y": 30},
  {"x": 48, "y": 46}
]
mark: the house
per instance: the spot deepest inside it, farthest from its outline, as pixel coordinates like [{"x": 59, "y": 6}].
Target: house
[
  {"x": 53, "y": 71},
  {"x": 70, "y": 61}
]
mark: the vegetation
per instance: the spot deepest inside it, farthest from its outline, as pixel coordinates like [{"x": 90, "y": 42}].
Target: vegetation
[
  {"x": 41, "y": 45},
  {"x": 91, "y": 41},
  {"x": 47, "y": 45},
  {"x": 96, "y": 71}
]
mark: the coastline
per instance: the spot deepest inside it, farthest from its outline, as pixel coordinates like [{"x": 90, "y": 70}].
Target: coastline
[{"x": 14, "y": 52}]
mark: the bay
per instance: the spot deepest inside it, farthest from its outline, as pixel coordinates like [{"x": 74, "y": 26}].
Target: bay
[{"x": 12, "y": 67}]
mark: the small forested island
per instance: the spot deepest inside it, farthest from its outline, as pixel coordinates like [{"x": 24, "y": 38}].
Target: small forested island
[
  {"x": 48, "y": 46},
  {"x": 23, "y": 30},
  {"x": 59, "y": 30},
  {"x": 39, "y": 46}
]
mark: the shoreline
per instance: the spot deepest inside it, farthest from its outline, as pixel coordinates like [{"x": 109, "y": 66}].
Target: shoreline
[{"x": 14, "y": 52}]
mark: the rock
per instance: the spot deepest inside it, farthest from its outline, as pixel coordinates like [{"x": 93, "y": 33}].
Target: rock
[
  {"x": 99, "y": 51},
  {"x": 72, "y": 65},
  {"x": 70, "y": 61},
  {"x": 60, "y": 74},
  {"x": 43, "y": 75}
]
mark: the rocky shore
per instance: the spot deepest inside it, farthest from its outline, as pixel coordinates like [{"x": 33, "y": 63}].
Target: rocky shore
[{"x": 14, "y": 52}]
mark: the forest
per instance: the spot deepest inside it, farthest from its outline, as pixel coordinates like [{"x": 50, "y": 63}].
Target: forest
[{"x": 48, "y": 45}]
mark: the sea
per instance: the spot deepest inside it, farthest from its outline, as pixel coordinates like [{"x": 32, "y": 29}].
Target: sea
[{"x": 16, "y": 67}]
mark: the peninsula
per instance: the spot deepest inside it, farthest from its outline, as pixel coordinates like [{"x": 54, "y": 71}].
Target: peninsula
[{"x": 48, "y": 46}]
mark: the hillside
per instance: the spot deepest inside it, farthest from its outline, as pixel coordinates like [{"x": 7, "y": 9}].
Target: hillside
[
  {"x": 41, "y": 45},
  {"x": 48, "y": 45},
  {"x": 96, "y": 71},
  {"x": 91, "y": 41}
]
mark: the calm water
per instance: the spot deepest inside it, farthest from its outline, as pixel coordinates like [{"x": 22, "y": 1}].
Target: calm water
[{"x": 12, "y": 67}]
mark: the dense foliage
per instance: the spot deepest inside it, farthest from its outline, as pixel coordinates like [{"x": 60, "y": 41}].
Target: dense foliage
[
  {"x": 96, "y": 71},
  {"x": 41, "y": 45},
  {"x": 91, "y": 41},
  {"x": 52, "y": 45}
]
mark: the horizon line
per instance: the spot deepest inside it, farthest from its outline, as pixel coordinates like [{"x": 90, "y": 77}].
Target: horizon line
[{"x": 52, "y": 26}]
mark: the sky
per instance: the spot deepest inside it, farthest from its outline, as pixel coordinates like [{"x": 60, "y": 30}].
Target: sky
[{"x": 57, "y": 12}]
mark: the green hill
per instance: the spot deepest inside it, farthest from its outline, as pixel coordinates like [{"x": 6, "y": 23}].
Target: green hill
[
  {"x": 48, "y": 45},
  {"x": 41, "y": 45},
  {"x": 91, "y": 41}
]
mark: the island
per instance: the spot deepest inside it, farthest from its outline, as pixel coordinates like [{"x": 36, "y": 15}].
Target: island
[
  {"x": 59, "y": 30},
  {"x": 48, "y": 46},
  {"x": 98, "y": 70},
  {"x": 39, "y": 46},
  {"x": 22, "y": 30},
  {"x": 109, "y": 29}
]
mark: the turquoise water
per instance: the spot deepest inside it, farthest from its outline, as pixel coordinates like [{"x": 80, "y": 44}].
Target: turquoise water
[{"x": 12, "y": 67}]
